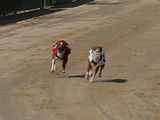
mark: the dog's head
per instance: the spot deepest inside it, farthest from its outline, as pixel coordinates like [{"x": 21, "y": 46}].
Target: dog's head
[
  {"x": 97, "y": 53},
  {"x": 61, "y": 48}
]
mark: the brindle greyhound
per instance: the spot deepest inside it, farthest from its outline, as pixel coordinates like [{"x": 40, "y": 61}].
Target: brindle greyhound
[
  {"x": 96, "y": 60},
  {"x": 60, "y": 51}
]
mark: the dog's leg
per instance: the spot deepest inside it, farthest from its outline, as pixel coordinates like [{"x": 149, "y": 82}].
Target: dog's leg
[
  {"x": 100, "y": 72},
  {"x": 94, "y": 74},
  {"x": 53, "y": 66},
  {"x": 65, "y": 60},
  {"x": 89, "y": 71},
  {"x": 87, "y": 75}
]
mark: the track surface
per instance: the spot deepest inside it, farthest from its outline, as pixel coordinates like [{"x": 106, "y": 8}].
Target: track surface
[{"x": 129, "y": 30}]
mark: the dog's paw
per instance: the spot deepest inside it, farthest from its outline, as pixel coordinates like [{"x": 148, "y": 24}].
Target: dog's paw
[
  {"x": 91, "y": 80},
  {"x": 99, "y": 78},
  {"x": 52, "y": 71},
  {"x": 63, "y": 71}
]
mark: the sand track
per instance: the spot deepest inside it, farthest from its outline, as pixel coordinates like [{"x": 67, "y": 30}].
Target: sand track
[{"x": 130, "y": 88}]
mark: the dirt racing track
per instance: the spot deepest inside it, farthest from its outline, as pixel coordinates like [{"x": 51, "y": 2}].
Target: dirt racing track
[{"x": 129, "y": 30}]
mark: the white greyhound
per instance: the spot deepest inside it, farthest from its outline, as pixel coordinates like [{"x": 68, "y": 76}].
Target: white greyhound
[{"x": 96, "y": 60}]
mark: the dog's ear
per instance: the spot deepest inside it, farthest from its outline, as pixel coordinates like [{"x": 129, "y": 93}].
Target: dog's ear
[
  {"x": 94, "y": 48},
  {"x": 99, "y": 47}
]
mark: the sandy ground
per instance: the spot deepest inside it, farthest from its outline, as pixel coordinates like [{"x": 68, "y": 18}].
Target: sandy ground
[{"x": 129, "y": 30}]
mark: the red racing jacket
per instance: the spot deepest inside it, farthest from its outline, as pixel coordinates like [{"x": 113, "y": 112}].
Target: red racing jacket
[{"x": 67, "y": 51}]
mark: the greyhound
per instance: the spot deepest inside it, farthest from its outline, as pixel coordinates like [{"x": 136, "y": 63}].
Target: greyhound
[
  {"x": 96, "y": 60},
  {"x": 60, "y": 51}
]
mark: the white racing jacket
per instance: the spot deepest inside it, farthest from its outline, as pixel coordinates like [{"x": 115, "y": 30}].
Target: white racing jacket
[{"x": 98, "y": 59}]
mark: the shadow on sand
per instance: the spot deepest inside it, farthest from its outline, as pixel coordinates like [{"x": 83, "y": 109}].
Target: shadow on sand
[
  {"x": 77, "y": 76},
  {"x": 114, "y": 81},
  {"x": 75, "y": 3},
  {"x": 26, "y": 15},
  {"x": 36, "y": 13},
  {"x": 111, "y": 80}
]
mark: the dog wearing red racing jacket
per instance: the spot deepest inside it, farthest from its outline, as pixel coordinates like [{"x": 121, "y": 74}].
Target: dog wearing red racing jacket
[
  {"x": 96, "y": 59},
  {"x": 60, "y": 51}
]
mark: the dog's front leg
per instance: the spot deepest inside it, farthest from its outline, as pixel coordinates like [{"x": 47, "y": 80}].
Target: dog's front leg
[
  {"x": 89, "y": 71},
  {"x": 53, "y": 65},
  {"x": 100, "y": 72},
  {"x": 94, "y": 74},
  {"x": 64, "y": 62},
  {"x": 87, "y": 75}
]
